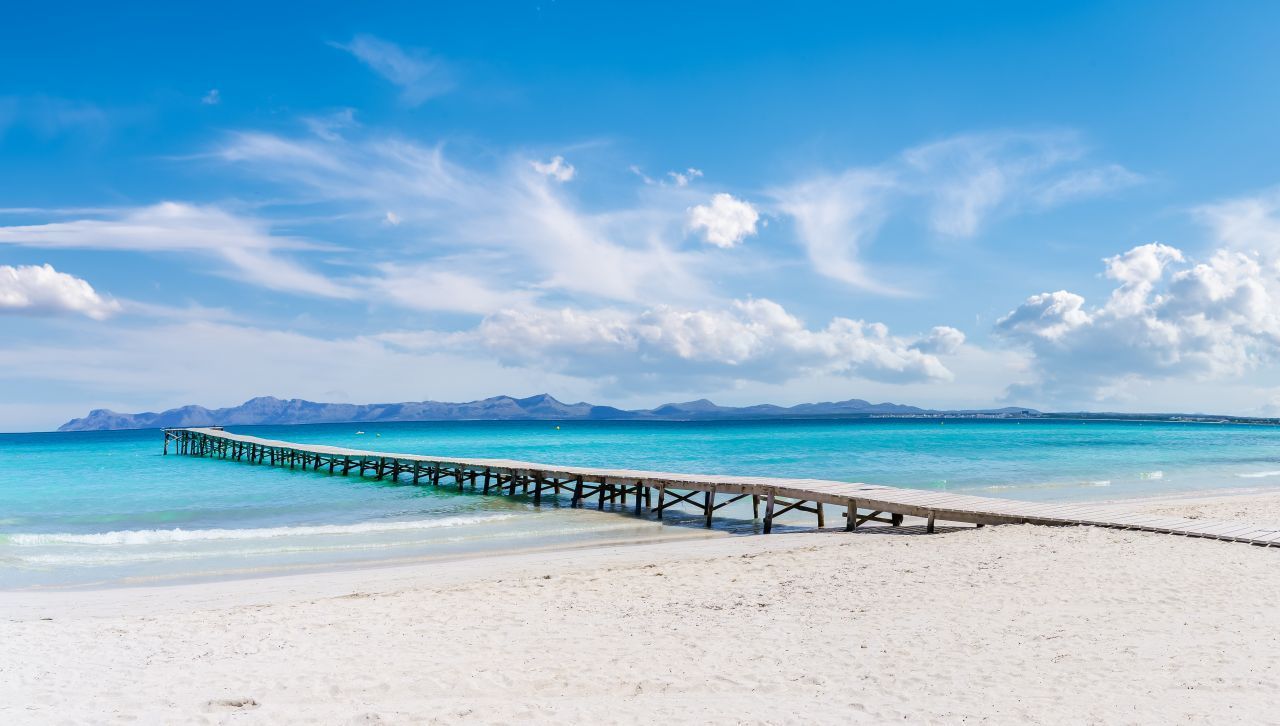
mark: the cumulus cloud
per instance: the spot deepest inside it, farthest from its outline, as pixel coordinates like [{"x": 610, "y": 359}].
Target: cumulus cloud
[
  {"x": 244, "y": 244},
  {"x": 1167, "y": 317},
  {"x": 957, "y": 185},
  {"x": 42, "y": 290},
  {"x": 755, "y": 339},
  {"x": 1047, "y": 316},
  {"x": 942, "y": 340},
  {"x": 419, "y": 76},
  {"x": 725, "y": 222},
  {"x": 557, "y": 168}
]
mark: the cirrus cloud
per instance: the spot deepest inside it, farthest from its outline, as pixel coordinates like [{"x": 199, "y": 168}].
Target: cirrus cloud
[
  {"x": 956, "y": 185},
  {"x": 244, "y": 244},
  {"x": 419, "y": 76}
]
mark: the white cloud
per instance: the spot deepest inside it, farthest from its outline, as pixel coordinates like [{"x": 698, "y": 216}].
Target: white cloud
[
  {"x": 392, "y": 219},
  {"x": 513, "y": 213},
  {"x": 557, "y": 168},
  {"x": 683, "y": 178},
  {"x": 246, "y": 245},
  {"x": 330, "y": 125},
  {"x": 1085, "y": 183},
  {"x": 835, "y": 217},
  {"x": 678, "y": 178},
  {"x": 754, "y": 340},
  {"x": 1248, "y": 223},
  {"x": 430, "y": 288},
  {"x": 971, "y": 177},
  {"x": 725, "y": 222},
  {"x": 212, "y": 98},
  {"x": 1169, "y": 317},
  {"x": 419, "y": 76},
  {"x": 942, "y": 340},
  {"x": 960, "y": 183},
  {"x": 1048, "y": 316},
  {"x": 42, "y": 290}
]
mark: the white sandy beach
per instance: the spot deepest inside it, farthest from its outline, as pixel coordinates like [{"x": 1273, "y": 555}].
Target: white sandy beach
[{"x": 995, "y": 625}]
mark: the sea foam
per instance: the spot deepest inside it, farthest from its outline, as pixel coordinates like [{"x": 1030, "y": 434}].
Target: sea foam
[{"x": 160, "y": 536}]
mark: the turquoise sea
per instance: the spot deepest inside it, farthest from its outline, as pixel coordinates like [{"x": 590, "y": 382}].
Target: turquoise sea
[{"x": 95, "y": 509}]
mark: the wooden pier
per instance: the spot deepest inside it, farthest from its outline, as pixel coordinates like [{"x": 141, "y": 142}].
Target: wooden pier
[{"x": 655, "y": 492}]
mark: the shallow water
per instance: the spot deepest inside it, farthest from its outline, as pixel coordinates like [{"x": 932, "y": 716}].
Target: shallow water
[{"x": 81, "y": 509}]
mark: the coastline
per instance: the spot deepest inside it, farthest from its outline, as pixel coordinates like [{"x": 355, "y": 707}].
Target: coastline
[{"x": 787, "y": 628}]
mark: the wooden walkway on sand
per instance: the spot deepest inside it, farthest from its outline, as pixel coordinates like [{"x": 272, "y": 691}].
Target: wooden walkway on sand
[{"x": 857, "y": 503}]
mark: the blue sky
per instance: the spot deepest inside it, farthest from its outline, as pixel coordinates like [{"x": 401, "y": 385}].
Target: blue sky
[{"x": 1065, "y": 207}]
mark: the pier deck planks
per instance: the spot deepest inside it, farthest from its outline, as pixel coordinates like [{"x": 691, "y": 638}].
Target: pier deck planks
[{"x": 522, "y": 476}]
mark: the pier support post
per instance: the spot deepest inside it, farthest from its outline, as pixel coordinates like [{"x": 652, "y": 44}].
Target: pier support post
[
  {"x": 576, "y": 501},
  {"x": 768, "y": 514},
  {"x": 929, "y": 527},
  {"x": 537, "y": 489},
  {"x": 709, "y": 504},
  {"x": 487, "y": 476},
  {"x": 852, "y": 514},
  {"x": 662, "y": 499},
  {"x": 822, "y": 520},
  {"x": 640, "y": 498}
]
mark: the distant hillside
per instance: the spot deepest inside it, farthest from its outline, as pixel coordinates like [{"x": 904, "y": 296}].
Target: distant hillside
[{"x": 269, "y": 410}]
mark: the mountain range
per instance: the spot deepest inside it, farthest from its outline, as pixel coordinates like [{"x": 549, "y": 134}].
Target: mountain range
[{"x": 270, "y": 410}]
